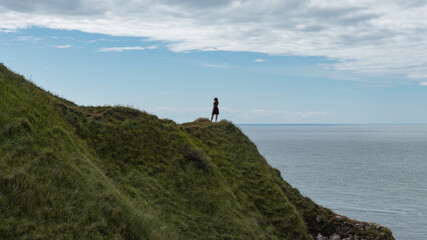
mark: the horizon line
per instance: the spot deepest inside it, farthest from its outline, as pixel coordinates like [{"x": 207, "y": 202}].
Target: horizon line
[{"x": 331, "y": 123}]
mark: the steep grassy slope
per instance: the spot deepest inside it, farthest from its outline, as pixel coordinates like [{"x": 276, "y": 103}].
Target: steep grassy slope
[{"x": 71, "y": 172}]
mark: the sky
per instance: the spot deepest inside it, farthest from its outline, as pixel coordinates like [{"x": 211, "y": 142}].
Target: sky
[{"x": 268, "y": 61}]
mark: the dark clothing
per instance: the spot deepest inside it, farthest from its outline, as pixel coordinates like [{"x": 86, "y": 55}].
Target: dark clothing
[{"x": 215, "y": 109}]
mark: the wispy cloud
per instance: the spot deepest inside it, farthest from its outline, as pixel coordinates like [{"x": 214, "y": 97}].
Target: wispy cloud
[
  {"x": 120, "y": 49},
  {"x": 211, "y": 65},
  {"x": 63, "y": 46},
  {"x": 152, "y": 47},
  {"x": 418, "y": 75},
  {"x": 101, "y": 40},
  {"x": 29, "y": 38},
  {"x": 5, "y": 30},
  {"x": 259, "y": 60},
  {"x": 424, "y": 84},
  {"x": 307, "y": 115}
]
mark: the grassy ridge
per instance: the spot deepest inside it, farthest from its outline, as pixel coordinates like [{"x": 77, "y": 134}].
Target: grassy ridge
[{"x": 71, "y": 172}]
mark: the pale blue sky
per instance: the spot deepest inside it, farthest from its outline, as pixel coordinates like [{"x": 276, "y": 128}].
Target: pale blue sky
[{"x": 176, "y": 71}]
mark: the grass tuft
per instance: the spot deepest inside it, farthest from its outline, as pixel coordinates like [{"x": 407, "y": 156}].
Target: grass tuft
[{"x": 198, "y": 158}]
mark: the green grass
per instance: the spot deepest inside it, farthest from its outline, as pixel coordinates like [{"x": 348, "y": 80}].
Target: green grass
[{"x": 72, "y": 172}]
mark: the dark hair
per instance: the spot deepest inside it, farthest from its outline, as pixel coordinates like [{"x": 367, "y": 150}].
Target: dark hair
[{"x": 216, "y": 99}]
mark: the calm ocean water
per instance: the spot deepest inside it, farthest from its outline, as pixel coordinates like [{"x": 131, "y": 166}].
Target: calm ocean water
[{"x": 374, "y": 173}]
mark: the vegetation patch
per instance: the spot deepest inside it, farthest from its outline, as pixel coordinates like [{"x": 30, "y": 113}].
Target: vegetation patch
[{"x": 197, "y": 157}]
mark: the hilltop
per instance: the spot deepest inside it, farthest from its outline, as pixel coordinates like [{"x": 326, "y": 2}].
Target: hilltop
[{"x": 73, "y": 172}]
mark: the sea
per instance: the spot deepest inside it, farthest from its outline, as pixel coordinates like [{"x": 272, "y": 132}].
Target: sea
[{"x": 373, "y": 173}]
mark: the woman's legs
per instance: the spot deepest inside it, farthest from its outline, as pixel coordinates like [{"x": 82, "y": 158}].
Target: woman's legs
[{"x": 216, "y": 117}]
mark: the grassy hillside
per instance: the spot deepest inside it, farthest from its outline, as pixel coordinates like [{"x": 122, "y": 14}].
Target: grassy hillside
[{"x": 72, "y": 172}]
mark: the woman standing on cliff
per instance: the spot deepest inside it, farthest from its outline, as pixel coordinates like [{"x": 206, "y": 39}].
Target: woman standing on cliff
[{"x": 215, "y": 110}]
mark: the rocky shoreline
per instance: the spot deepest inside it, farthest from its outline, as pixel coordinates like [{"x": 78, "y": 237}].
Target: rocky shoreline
[{"x": 348, "y": 229}]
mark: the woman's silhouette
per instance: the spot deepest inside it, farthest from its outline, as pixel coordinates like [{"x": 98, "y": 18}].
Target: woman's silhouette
[{"x": 215, "y": 110}]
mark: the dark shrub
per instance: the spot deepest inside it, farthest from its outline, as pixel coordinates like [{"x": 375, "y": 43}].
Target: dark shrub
[{"x": 197, "y": 157}]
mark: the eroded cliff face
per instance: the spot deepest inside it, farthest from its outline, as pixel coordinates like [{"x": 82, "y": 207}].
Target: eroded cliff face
[
  {"x": 72, "y": 172},
  {"x": 321, "y": 223}
]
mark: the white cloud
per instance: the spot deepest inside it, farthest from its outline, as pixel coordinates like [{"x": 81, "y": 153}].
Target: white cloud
[
  {"x": 29, "y": 38},
  {"x": 388, "y": 37},
  {"x": 259, "y": 60},
  {"x": 63, "y": 46},
  {"x": 119, "y": 49},
  {"x": 100, "y": 40},
  {"x": 424, "y": 84},
  {"x": 7, "y": 30},
  {"x": 418, "y": 75},
  {"x": 152, "y": 47},
  {"x": 211, "y": 65},
  {"x": 307, "y": 115}
]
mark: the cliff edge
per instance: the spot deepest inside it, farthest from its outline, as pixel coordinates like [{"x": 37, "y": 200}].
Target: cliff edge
[{"x": 73, "y": 172}]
